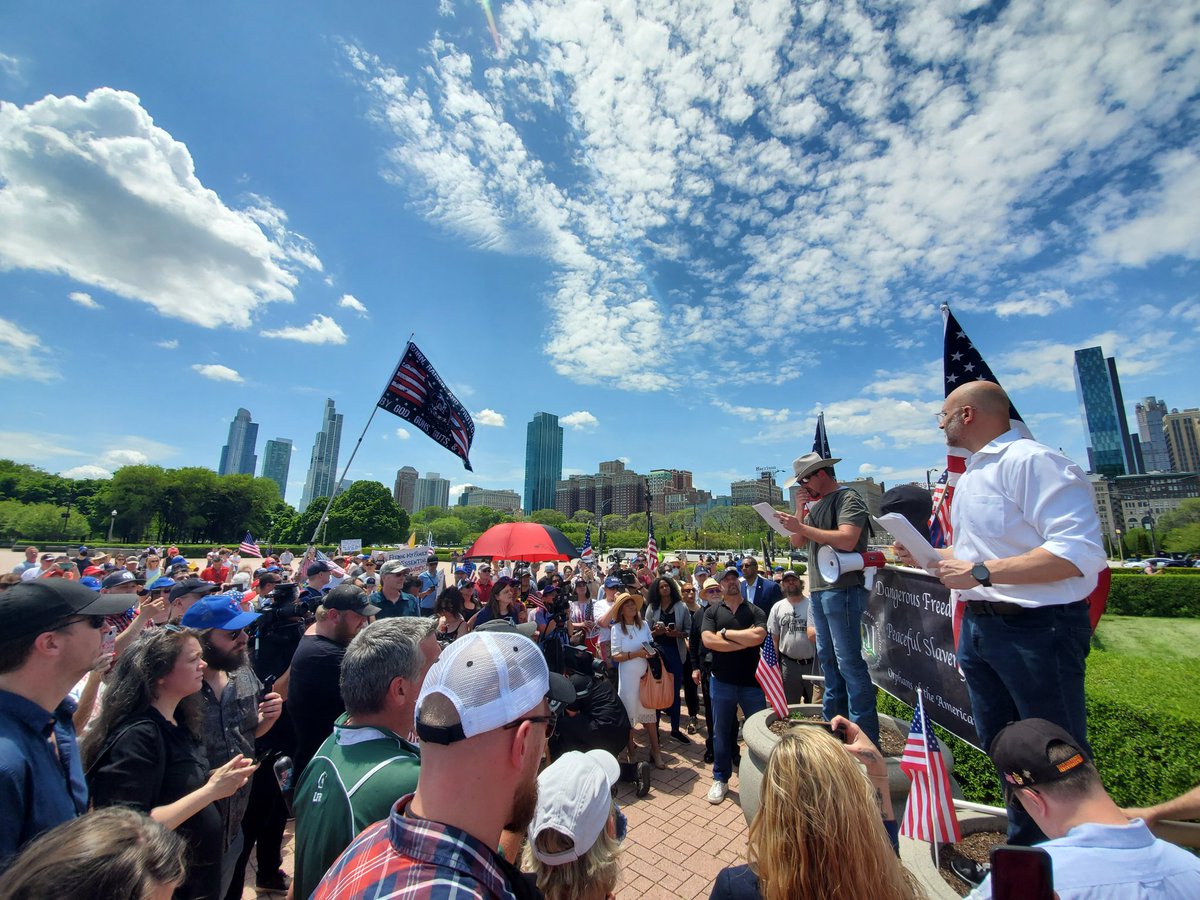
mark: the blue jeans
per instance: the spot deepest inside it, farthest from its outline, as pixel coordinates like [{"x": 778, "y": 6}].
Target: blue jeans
[
  {"x": 726, "y": 698},
  {"x": 1023, "y": 666},
  {"x": 673, "y": 664},
  {"x": 837, "y": 617}
]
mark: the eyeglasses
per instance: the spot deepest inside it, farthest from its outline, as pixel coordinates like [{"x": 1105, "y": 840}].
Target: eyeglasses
[
  {"x": 551, "y": 723},
  {"x": 712, "y": 590},
  {"x": 807, "y": 478},
  {"x": 688, "y": 590},
  {"x": 96, "y": 622},
  {"x": 943, "y": 416}
]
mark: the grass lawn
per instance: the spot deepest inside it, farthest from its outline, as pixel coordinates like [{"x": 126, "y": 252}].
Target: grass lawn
[{"x": 1148, "y": 664}]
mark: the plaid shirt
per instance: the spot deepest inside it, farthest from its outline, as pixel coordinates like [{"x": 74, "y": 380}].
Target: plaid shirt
[{"x": 405, "y": 856}]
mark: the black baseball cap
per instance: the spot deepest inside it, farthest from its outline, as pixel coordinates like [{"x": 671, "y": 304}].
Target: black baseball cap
[
  {"x": 118, "y": 578},
  {"x": 190, "y": 586},
  {"x": 349, "y": 597},
  {"x": 725, "y": 574},
  {"x": 1021, "y": 753},
  {"x": 33, "y": 607}
]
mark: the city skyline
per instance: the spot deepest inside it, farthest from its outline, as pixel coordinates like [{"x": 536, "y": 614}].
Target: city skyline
[
  {"x": 323, "y": 463},
  {"x": 238, "y": 455},
  {"x": 693, "y": 227}
]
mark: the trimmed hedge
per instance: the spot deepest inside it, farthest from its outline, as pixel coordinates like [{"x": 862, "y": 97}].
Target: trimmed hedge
[
  {"x": 1169, "y": 595},
  {"x": 1169, "y": 570}
]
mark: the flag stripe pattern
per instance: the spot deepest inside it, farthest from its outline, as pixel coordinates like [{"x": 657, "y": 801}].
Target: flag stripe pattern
[
  {"x": 651, "y": 548},
  {"x": 586, "y": 553},
  {"x": 416, "y": 393},
  {"x": 961, "y": 362},
  {"x": 929, "y": 815},
  {"x": 770, "y": 678},
  {"x": 821, "y": 439},
  {"x": 248, "y": 547}
]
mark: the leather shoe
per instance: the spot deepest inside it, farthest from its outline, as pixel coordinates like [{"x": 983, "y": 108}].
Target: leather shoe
[
  {"x": 708, "y": 756},
  {"x": 276, "y": 882}
]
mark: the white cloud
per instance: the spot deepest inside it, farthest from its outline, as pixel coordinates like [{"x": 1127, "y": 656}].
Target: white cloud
[
  {"x": 349, "y": 301},
  {"x": 1161, "y": 222},
  {"x": 115, "y": 458},
  {"x": 86, "y": 472},
  {"x": 22, "y": 354},
  {"x": 403, "y": 434},
  {"x": 169, "y": 345},
  {"x": 1042, "y": 304},
  {"x": 218, "y": 373},
  {"x": 92, "y": 189},
  {"x": 489, "y": 417},
  {"x": 579, "y": 421},
  {"x": 84, "y": 299},
  {"x": 321, "y": 330}
]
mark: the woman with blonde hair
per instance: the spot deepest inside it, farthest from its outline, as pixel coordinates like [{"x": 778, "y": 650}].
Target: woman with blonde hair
[
  {"x": 822, "y": 829},
  {"x": 106, "y": 854},
  {"x": 631, "y": 648}
]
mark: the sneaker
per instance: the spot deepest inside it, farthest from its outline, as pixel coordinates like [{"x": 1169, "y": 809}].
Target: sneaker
[
  {"x": 642, "y": 779},
  {"x": 691, "y": 729},
  {"x": 717, "y": 792},
  {"x": 681, "y": 737},
  {"x": 970, "y": 871},
  {"x": 276, "y": 882}
]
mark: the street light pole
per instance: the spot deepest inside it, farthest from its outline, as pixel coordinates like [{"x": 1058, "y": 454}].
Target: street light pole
[
  {"x": 1148, "y": 522},
  {"x": 928, "y": 483},
  {"x": 112, "y": 521},
  {"x": 1120, "y": 543}
]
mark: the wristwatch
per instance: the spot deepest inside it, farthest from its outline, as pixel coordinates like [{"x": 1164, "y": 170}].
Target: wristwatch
[
  {"x": 723, "y": 630},
  {"x": 981, "y": 574}
]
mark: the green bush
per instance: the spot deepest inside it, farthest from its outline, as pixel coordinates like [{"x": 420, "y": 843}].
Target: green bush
[
  {"x": 1173, "y": 570},
  {"x": 1173, "y": 596}
]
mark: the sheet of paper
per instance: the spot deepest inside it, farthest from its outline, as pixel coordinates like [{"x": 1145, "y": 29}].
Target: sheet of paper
[
  {"x": 767, "y": 511},
  {"x": 914, "y": 542}
]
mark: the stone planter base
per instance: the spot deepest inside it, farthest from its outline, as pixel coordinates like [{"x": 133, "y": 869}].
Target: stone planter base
[{"x": 917, "y": 856}]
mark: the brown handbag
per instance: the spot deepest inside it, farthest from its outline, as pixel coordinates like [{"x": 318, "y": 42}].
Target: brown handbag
[{"x": 656, "y": 692}]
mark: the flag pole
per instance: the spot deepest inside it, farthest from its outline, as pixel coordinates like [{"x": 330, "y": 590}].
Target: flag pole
[
  {"x": 346, "y": 468},
  {"x": 926, "y": 727}
]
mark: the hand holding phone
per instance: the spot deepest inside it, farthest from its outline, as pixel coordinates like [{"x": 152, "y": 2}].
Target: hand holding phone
[{"x": 1021, "y": 873}]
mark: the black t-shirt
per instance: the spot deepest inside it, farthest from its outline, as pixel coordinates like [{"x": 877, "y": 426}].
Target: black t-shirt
[
  {"x": 736, "y": 666},
  {"x": 152, "y": 763},
  {"x": 314, "y": 698}
]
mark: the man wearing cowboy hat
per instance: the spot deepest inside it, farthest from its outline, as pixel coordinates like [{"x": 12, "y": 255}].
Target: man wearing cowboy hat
[{"x": 837, "y": 517}]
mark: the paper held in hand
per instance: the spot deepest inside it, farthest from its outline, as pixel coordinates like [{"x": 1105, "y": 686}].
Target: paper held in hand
[
  {"x": 913, "y": 541},
  {"x": 767, "y": 511}
]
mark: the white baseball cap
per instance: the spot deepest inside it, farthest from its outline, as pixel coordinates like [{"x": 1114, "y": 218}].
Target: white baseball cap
[
  {"x": 492, "y": 678},
  {"x": 575, "y": 799}
]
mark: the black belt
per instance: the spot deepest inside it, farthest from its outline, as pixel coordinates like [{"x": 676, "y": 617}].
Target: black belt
[
  {"x": 803, "y": 662},
  {"x": 989, "y": 608}
]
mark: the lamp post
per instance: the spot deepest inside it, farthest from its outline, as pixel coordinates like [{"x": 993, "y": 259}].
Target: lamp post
[
  {"x": 1120, "y": 543},
  {"x": 112, "y": 521},
  {"x": 1148, "y": 522},
  {"x": 928, "y": 483}
]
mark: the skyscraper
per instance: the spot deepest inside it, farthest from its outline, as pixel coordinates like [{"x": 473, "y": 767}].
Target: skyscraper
[
  {"x": 237, "y": 456},
  {"x": 432, "y": 490},
  {"x": 543, "y": 461},
  {"x": 402, "y": 490},
  {"x": 1150, "y": 412},
  {"x": 1111, "y": 450},
  {"x": 1183, "y": 439},
  {"x": 322, "y": 467},
  {"x": 277, "y": 461}
]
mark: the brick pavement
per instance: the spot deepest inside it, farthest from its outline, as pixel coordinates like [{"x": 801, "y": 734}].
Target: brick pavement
[{"x": 677, "y": 841}]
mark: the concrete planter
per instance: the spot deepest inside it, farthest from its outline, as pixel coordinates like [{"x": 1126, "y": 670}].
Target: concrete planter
[
  {"x": 760, "y": 741},
  {"x": 917, "y": 856}
]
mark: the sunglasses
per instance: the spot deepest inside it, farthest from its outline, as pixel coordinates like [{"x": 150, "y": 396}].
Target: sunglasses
[
  {"x": 551, "y": 723},
  {"x": 96, "y": 622}
]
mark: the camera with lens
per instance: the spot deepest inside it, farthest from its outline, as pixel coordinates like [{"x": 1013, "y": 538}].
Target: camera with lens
[{"x": 277, "y": 632}]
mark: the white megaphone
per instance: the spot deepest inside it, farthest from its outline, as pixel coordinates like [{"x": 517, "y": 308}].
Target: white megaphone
[{"x": 833, "y": 564}]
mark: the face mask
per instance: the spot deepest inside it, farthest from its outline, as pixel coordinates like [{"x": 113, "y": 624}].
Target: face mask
[{"x": 674, "y": 573}]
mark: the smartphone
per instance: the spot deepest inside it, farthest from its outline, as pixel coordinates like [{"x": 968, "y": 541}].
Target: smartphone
[
  {"x": 650, "y": 648},
  {"x": 1021, "y": 873},
  {"x": 268, "y": 685},
  {"x": 839, "y": 732}
]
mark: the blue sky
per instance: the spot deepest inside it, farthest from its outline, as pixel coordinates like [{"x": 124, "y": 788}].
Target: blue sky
[{"x": 684, "y": 227}]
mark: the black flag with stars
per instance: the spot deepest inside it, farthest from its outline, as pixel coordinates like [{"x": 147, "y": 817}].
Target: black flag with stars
[{"x": 418, "y": 394}]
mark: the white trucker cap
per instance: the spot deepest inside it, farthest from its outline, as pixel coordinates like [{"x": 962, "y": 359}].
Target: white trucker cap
[{"x": 575, "y": 799}]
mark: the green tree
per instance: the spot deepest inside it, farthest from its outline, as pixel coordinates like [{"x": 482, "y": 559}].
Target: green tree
[
  {"x": 548, "y": 517},
  {"x": 1187, "y": 513},
  {"x": 366, "y": 510},
  {"x": 585, "y": 516},
  {"x": 448, "y": 530},
  {"x": 135, "y": 493},
  {"x": 1184, "y": 539}
]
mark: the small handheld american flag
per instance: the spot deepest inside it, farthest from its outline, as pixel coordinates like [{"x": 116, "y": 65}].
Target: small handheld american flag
[
  {"x": 586, "y": 554},
  {"x": 248, "y": 547},
  {"x": 651, "y": 548},
  {"x": 929, "y": 815},
  {"x": 770, "y": 679}
]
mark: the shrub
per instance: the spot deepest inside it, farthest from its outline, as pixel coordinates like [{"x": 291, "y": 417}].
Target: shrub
[{"x": 1171, "y": 595}]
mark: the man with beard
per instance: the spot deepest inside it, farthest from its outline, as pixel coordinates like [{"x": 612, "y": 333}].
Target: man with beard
[
  {"x": 489, "y": 697},
  {"x": 838, "y": 517},
  {"x": 233, "y": 714},
  {"x": 314, "y": 700}
]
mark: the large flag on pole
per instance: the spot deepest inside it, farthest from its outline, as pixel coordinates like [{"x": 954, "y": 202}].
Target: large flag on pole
[
  {"x": 248, "y": 547},
  {"x": 770, "y": 679},
  {"x": 961, "y": 362},
  {"x": 651, "y": 545},
  {"x": 821, "y": 439},
  {"x": 929, "y": 815},
  {"x": 416, "y": 393},
  {"x": 586, "y": 553}
]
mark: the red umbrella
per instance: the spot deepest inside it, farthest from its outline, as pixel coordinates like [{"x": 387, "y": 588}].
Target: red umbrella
[{"x": 522, "y": 542}]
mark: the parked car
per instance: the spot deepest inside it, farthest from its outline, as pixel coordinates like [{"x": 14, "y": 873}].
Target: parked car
[{"x": 1159, "y": 562}]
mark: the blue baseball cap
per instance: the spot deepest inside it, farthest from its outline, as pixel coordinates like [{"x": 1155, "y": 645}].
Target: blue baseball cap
[
  {"x": 218, "y": 611},
  {"x": 162, "y": 583},
  {"x": 90, "y": 582},
  {"x": 612, "y": 582}
]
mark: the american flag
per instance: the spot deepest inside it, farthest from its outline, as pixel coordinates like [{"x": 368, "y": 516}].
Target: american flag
[
  {"x": 248, "y": 548},
  {"x": 821, "y": 439},
  {"x": 651, "y": 546},
  {"x": 586, "y": 554},
  {"x": 929, "y": 815},
  {"x": 416, "y": 392},
  {"x": 961, "y": 362},
  {"x": 770, "y": 679},
  {"x": 535, "y": 597}
]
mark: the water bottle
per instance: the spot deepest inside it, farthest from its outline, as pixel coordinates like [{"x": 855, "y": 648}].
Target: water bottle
[{"x": 285, "y": 773}]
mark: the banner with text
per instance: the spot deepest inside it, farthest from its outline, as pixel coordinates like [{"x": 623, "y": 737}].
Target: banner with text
[
  {"x": 908, "y": 643},
  {"x": 412, "y": 557},
  {"x": 352, "y": 545}
]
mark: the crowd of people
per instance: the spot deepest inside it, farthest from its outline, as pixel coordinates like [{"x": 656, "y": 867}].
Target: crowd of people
[{"x": 463, "y": 733}]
